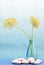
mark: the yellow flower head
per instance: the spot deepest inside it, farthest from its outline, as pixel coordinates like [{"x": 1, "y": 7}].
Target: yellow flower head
[
  {"x": 34, "y": 21},
  {"x": 10, "y": 22}
]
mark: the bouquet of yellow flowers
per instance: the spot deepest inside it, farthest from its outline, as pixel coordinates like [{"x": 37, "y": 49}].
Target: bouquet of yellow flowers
[{"x": 12, "y": 22}]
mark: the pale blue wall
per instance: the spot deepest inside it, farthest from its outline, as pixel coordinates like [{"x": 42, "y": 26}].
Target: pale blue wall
[{"x": 13, "y": 43}]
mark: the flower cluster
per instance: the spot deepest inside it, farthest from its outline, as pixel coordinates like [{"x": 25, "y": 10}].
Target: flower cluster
[
  {"x": 10, "y": 22},
  {"x": 34, "y": 21}
]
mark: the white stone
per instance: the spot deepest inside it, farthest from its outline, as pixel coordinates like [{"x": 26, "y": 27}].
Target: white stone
[
  {"x": 16, "y": 61},
  {"x": 31, "y": 59},
  {"x": 38, "y": 61},
  {"x": 21, "y": 59},
  {"x": 25, "y": 61}
]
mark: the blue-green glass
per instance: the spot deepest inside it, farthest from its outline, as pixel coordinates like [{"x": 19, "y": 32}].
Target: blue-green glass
[{"x": 31, "y": 50}]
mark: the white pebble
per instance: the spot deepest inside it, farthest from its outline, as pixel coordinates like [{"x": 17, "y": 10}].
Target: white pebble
[
  {"x": 31, "y": 59},
  {"x": 16, "y": 61},
  {"x": 38, "y": 61},
  {"x": 25, "y": 61},
  {"x": 21, "y": 59}
]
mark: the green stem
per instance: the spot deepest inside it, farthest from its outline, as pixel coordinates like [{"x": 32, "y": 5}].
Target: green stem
[
  {"x": 32, "y": 32},
  {"x": 23, "y": 31},
  {"x": 31, "y": 54},
  {"x": 31, "y": 44}
]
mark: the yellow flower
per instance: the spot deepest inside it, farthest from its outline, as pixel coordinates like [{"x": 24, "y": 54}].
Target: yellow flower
[
  {"x": 34, "y": 21},
  {"x": 11, "y": 22}
]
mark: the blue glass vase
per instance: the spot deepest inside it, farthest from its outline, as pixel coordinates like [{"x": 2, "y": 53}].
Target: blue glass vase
[{"x": 31, "y": 50}]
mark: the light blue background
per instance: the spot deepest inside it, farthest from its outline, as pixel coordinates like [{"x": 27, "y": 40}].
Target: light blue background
[{"x": 13, "y": 43}]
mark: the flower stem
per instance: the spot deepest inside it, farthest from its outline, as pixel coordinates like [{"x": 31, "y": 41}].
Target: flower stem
[
  {"x": 31, "y": 44},
  {"x": 32, "y": 33},
  {"x": 34, "y": 55},
  {"x": 23, "y": 31}
]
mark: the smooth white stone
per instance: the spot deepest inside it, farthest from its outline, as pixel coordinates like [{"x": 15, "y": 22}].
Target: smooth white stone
[
  {"x": 21, "y": 59},
  {"x": 16, "y": 61},
  {"x": 31, "y": 59},
  {"x": 25, "y": 61},
  {"x": 38, "y": 61}
]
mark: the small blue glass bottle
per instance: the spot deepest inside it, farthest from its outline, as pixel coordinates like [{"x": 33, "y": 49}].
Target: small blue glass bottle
[{"x": 31, "y": 50}]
